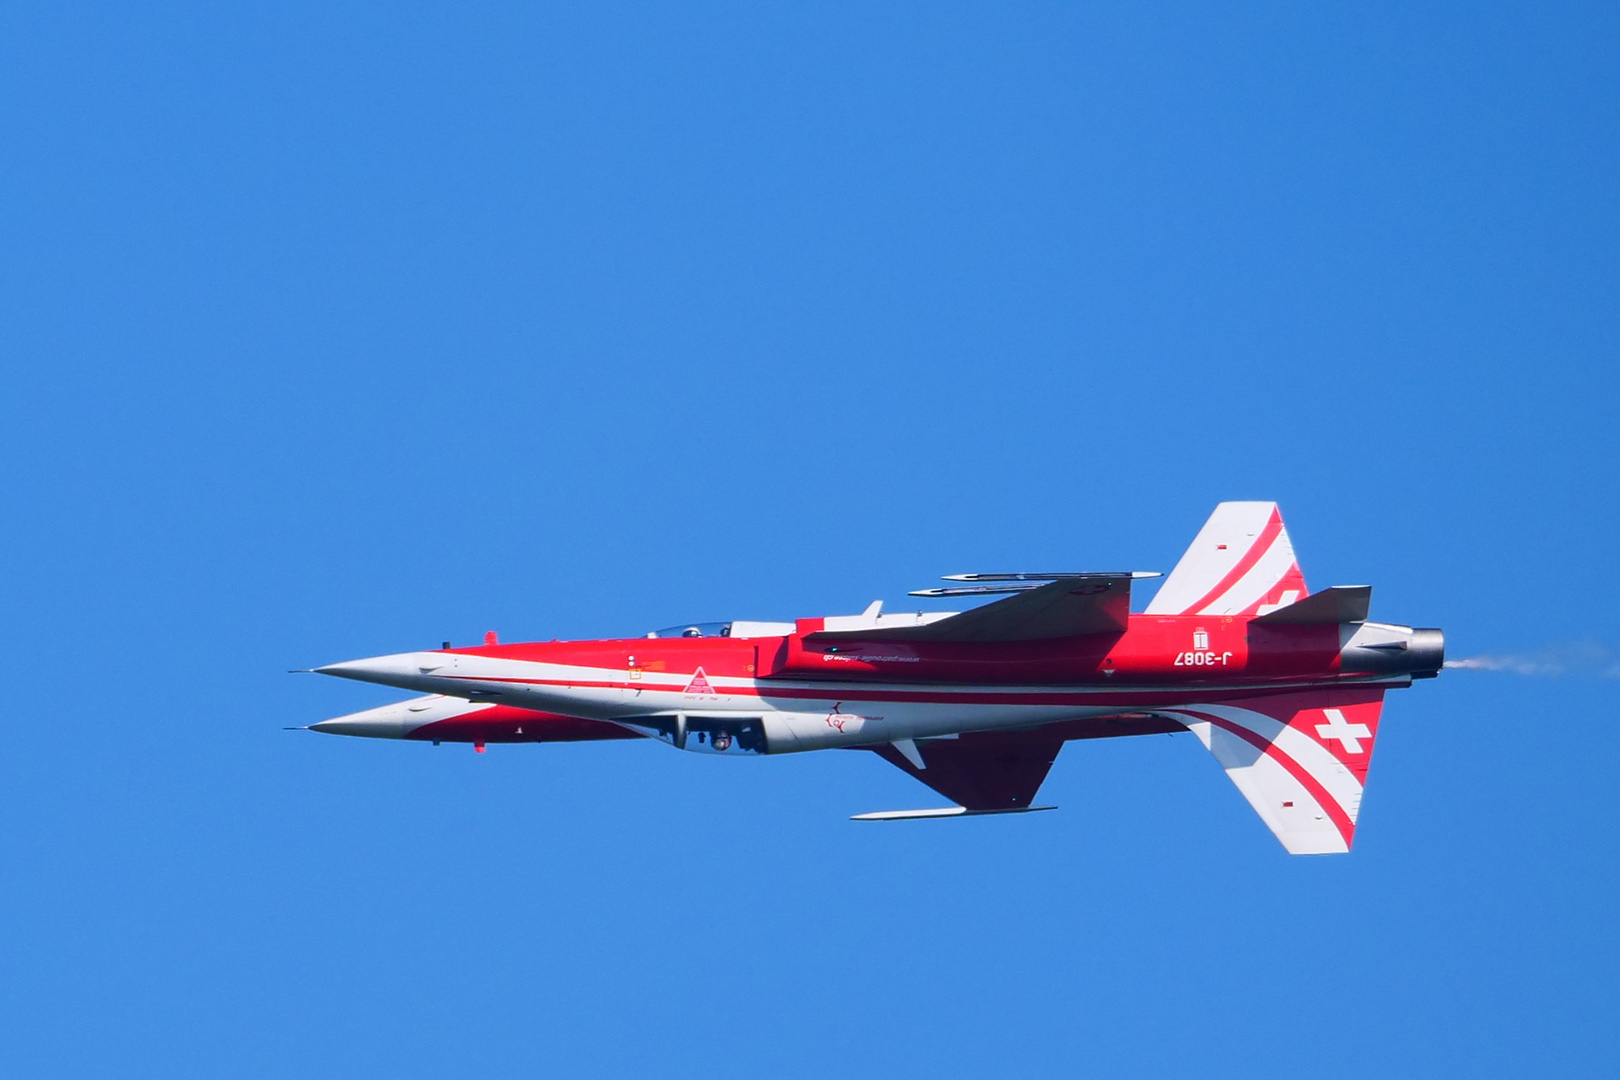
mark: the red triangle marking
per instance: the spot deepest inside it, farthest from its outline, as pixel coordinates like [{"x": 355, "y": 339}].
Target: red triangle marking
[{"x": 699, "y": 684}]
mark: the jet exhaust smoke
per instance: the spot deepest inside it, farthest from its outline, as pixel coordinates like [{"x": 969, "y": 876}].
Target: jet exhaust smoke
[{"x": 1587, "y": 659}]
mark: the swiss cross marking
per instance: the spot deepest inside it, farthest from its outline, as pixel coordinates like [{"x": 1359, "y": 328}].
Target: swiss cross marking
[{"x": 1349, "y": 735}]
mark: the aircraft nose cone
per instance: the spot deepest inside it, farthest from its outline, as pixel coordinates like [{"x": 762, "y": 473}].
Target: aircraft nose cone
[
  {"x": 361, "y": 724},
  {"x": 348, "y": 669},
  {"x": 388, "y": 670},
  {"x": 384, "y": 722}
]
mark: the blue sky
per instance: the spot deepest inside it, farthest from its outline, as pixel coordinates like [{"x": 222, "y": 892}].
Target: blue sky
[{"x": 335, "y": 330}]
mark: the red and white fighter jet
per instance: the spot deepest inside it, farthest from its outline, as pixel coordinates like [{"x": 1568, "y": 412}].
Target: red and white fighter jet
[{"x": 1284, "y": 687}]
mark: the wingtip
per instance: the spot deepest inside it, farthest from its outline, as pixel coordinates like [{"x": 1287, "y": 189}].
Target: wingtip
[{"x": 945, "y": 812}]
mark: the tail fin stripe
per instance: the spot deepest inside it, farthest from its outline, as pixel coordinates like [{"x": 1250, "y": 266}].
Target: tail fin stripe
[
  {"x": 1262, "y": 544},
  {"x": 1268, "y": 573},
  {"x": 1329, "y": 804},
  {"x": 1240, "y": 563}
]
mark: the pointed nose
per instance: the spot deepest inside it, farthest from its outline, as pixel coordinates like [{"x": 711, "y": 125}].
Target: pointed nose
[
  {"x": 346, "y": 726},
  {"x": 385, "y": 722},
  {"x": 388, "y": 670}
]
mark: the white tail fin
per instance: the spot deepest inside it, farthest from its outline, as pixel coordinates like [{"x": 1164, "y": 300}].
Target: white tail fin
[
  {"x": 1240, "y": 563},
  {"x": 1300, "y": 759}
]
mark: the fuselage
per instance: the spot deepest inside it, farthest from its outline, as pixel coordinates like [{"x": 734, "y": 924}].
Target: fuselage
[
  {"x": 1283, "y": 687},
  {"x": 810, "y": 689}
]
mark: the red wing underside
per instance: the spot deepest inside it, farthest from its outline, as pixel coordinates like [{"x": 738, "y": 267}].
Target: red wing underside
[
  {"x": 1003, "y": 770},
  {"x": 984, "y": 770}
]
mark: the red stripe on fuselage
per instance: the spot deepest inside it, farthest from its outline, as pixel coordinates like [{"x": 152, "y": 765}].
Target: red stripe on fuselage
[{"x": 509, "y": 723}]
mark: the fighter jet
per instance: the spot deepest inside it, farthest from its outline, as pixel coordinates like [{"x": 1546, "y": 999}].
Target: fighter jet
[{"x": 1283, "y": 686}]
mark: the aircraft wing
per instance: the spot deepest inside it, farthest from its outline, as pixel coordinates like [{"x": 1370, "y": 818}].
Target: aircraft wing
[
  {"x": 983, "y": 771},
  {"x": 1067, "y": 607}
]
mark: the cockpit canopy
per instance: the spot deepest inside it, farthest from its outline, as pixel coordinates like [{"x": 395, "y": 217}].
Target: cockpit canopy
[
  {"x": 701, "y": 629},
  {"x": 737, "y": 628}
]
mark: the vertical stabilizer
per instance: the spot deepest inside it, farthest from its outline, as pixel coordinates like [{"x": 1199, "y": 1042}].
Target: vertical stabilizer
[{"x": 1241, "y": 563}]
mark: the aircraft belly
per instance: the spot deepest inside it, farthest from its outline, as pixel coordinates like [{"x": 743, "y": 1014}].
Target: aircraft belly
[
  {"x": 868, "y": 723},
  {"x": 831, "y": 717}
]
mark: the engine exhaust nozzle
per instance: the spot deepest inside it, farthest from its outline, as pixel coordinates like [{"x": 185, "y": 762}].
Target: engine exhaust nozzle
[{"x": 1426, "y": 653}]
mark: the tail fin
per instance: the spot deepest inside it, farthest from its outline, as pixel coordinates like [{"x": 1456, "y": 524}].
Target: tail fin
[
  {"x": 1300, "y": 759},
  {"x": 1240, "y": 563}
]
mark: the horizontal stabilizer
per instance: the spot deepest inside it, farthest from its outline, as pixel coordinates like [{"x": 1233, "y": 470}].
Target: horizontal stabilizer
[
  {"x": 943, "y": 811},
  {"x": 1336, "y": 604}
]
